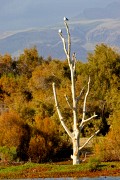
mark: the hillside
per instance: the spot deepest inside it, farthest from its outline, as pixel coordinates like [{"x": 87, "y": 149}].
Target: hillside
[
  {"x": 85, "y": 35},
  {"x": 112, "y": 10}
]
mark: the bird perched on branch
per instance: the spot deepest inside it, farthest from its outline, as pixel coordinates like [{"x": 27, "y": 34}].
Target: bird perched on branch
[
  {"x": 66, "y": 19},
  {"x": 60, "y": 31}
]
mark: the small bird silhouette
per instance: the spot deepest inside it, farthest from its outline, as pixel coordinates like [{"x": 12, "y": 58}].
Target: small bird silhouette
[
  {"x": 60, "y": 31},
  {"x": 66, "y": 19}
]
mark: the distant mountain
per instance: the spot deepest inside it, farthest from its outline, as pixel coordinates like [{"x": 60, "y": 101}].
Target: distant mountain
[
  {"x": 85, "y": 35},
  {"x": 100, "y": 25},
  {"x": 110, "y": 11}
]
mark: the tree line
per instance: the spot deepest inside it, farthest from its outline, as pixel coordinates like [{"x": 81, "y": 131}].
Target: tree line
[{"x": 29, "y": 125}]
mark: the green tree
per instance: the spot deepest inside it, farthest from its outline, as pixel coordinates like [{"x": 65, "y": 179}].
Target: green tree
[
  {"x": 28, "y": 61},
  {"x": 104, "y": 68}
]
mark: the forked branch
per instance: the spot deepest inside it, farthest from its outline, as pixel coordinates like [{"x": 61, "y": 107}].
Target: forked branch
[
  {"x": 84, "y": 108},
  {"x": 59, "y": 112}
]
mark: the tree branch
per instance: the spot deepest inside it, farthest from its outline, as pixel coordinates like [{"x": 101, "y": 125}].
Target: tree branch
[
  {"x": 90, "y": 118},
  {"x": 84, "y": 108},
  {"x": 69, "y": 39},
  {"x": 74, "y": 60},
  {"x": 89, "y": 140},
  {"x": 64, "y": 47},
  {"x": 59, "y": 113},
  {"x": 64, "y": 43},
  {"x": 84, "y": 105},
  {"x": 78, "y": 98},
  {"x": 66, "y": 97}
]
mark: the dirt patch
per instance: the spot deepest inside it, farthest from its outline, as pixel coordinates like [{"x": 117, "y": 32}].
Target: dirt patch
[
  {"x": 38, "y": 173},
  {"x": 87, "y": 174},
  {"x": 44, "y": 173}
]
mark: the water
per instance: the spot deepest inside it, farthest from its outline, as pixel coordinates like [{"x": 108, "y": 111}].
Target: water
[{"x": 84, "y": 178}]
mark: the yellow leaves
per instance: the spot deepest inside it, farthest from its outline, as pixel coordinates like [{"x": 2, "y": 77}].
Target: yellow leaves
[
  {"x": 6, "y": 59},
  {"x": 42, "y": 78},
  {"x": 8, "y": 84},
  {"x": 29, "y": 55},
  {"x": 28, "y": 61},
  {"x": 42, "y": 144},
  {"x": 10, "y": 129},
  {"x": 5, "y": 64},
  {"x": 46, "y": 125},
  {"x": 108, "y": 147}
]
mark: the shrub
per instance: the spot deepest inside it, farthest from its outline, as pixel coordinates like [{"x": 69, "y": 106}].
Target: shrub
[
  {"x": 108, "y": 147},
  {"x": 8, "y": 154},
  {"x": 10, "y": 129},
  {"x": 94, "y": 164}
]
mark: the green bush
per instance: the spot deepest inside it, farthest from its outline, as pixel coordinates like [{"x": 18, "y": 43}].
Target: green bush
[
  {"x": 7, "y": 154},
  {"x": 94, "y": 164}
]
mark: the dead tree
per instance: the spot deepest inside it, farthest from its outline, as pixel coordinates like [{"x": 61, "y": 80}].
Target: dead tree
[{"x": 75, "y": 135}]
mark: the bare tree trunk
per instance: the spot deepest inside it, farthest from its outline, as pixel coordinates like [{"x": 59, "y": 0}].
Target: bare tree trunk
[
  {"x": 76, "y": 152},
  {"x": 75, "y": 135}
]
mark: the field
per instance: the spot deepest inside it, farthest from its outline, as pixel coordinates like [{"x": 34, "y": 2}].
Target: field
[{"x": 60, "y": 169}]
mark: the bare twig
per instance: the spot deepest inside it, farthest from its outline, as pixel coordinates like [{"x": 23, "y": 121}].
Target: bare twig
[
  {"x": 86, "y": 120},
  {"x": 89, "y": 140},
  {"x": 78, "y": 98},
  {"x": 84, "y": 105},
  {"x": 66, "y": 97}
]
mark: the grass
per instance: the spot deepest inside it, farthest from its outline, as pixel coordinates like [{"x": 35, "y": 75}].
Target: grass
[
  {"x": 34, "y": 170},
  {"x": 7, "y": 169}
]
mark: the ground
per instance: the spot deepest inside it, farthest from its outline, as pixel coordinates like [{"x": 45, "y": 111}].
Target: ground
[{"x": 56, "y": 170}]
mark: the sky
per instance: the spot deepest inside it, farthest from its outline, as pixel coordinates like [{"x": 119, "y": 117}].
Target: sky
[{"x": 23, "y": 14}]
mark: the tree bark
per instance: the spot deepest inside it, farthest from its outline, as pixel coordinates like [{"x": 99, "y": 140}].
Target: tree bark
[{"x": 76, "y": 152}]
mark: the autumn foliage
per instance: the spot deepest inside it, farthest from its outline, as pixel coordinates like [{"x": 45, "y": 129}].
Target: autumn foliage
[{"x": 28, "y": 119}]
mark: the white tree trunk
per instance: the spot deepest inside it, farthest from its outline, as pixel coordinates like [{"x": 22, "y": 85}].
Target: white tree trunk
[
  {"x": 76, "y": 152},
  {"x": 75, "y": 135}
]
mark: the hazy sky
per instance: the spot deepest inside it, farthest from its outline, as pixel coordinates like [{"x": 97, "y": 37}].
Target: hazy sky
[{"x": 21, "y": 14}]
